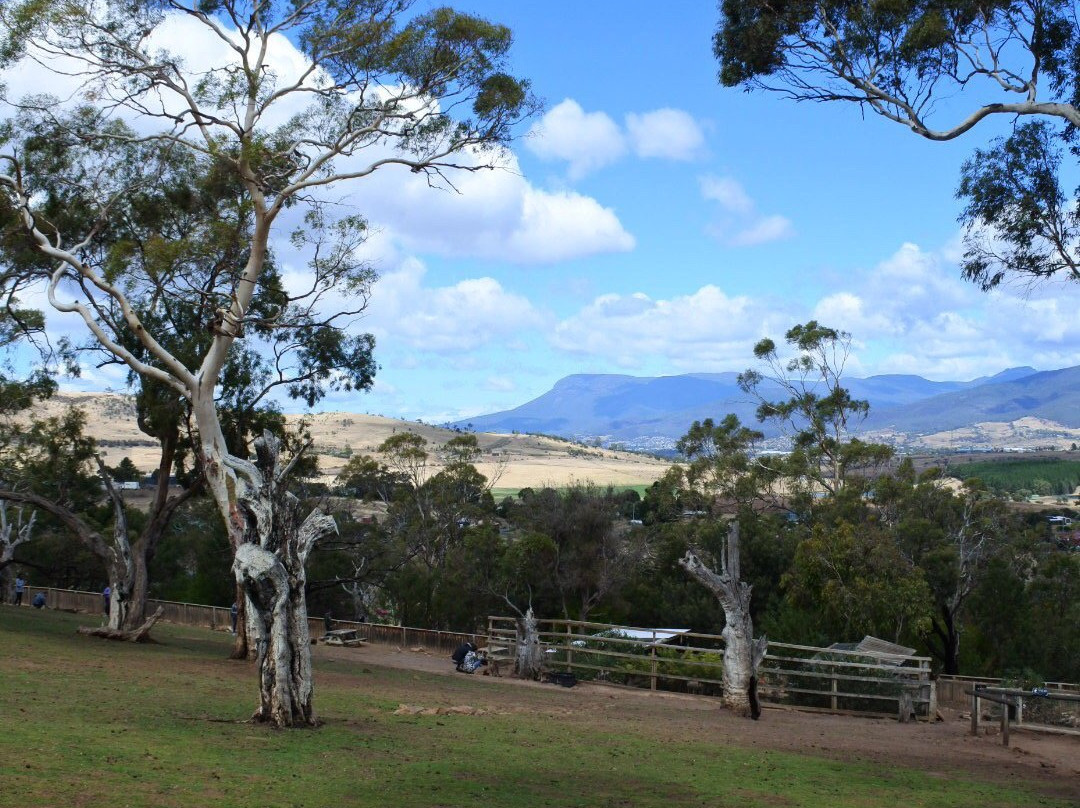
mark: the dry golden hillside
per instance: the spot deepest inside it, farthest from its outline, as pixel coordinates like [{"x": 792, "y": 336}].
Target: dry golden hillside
[{"x": 528, "y": 460}]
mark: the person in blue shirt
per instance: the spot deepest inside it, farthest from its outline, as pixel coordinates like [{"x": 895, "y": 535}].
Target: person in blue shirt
[
  {"x": 39, "y": 601},
  {"x": 20, "y": 587}
]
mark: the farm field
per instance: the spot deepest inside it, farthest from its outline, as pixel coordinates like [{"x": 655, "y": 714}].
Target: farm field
[
  {"x": 515, "y": 461},
  {"x": 90, "y": 722}
]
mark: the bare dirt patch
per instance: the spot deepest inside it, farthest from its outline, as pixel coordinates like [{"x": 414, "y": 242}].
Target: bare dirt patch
[{"x": 945, "y": 749}]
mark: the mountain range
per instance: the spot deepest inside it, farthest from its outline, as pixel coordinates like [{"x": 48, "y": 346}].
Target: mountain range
[{"x": 1020, "y": 407}]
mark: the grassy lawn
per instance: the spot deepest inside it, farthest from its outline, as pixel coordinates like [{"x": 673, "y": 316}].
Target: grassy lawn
[{"x": 104, "y": 724}]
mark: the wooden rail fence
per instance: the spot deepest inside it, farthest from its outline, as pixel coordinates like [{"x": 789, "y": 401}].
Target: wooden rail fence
[
  {"x": 801, "y": 675},
  {"x": 220, "y": 618}
]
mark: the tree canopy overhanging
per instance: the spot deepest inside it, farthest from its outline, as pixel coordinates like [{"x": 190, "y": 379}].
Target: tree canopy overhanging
[
  {"x": 293, "y": 99},
  {"x": 941, "y": 68}
]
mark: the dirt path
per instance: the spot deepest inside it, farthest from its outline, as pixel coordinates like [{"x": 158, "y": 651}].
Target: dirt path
[{"x": 942, "y": 749}]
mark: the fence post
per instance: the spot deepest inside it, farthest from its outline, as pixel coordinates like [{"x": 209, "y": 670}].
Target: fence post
[
  {"x": 832, "y": 699},
  {"x": 569, "y": 647},
  {"x": 652, "y": 665},
  {"x": 974, "y": 711},
  {"x": 1019, "y": 710}
]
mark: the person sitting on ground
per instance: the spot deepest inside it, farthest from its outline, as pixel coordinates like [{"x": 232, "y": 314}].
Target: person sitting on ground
[
  {"x": 39, "y": 601},
  {"x": 460, "y": 653},
  {"x": 473, "y": 660}
]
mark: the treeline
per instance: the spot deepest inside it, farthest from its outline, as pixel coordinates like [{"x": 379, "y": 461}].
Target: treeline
[
  {"x": 838, "y": 540},
  {"x": 1022, "y": 478}
]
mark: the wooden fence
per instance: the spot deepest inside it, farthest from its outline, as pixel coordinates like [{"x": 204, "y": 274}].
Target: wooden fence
[
  {"x": 220, "y": 618},
  {"x": 800, "y": 675},
  {"x": 952, "y": 690}
]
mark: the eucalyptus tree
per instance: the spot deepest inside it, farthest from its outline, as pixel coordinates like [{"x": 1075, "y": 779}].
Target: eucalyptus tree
[
  {"x": 438, "y": 496},
  {"x": 721, "y": 474},
  {"x": 307, "y": 96},
  {"x": 943, "y": 69},
  {"x": 952, "y": 537},
  {"x": 817, "y": 413}
]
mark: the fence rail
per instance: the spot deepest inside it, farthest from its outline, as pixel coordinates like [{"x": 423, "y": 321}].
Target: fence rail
[
  {"x": 790, "y": 674},
  {"x": 220, "y": 619},
  {"x": 800, "y": 675}
]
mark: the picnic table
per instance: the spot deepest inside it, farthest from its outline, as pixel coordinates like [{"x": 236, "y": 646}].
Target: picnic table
[{"x": 344, "y": 636}]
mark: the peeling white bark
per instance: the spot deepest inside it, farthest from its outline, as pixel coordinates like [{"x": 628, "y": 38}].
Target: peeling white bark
[
  {"x": 530, "y": 655},
  {"x": 742, "y": 653},
  {"x": 269, "y": 567}
]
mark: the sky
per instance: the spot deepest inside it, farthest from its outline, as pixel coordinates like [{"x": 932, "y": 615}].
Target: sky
[{"x": 651, "y": 222}]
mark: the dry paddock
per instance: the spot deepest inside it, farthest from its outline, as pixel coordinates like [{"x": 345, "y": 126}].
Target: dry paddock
[{"x": 1051, "y": 762}]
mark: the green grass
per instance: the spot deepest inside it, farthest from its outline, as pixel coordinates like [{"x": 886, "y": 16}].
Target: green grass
[
  {"x": 89, "y": 722},
  {"x": 1016, "y": 475}
]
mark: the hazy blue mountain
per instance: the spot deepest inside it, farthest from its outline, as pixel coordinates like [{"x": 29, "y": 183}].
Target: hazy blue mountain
[
  {"x": 636, "y": 409},
  {"x": 1053, "y": 395}
]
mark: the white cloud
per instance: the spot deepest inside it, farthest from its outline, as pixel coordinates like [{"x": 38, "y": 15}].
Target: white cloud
[
  {"x": 762, "y": 231},
  {"x": 740, "y": 224},
  {"x": 728, "y": 193},
  {"x": 448, "y": 320},
  {"x": 589, "y": 141},
  {"x": 703, "y": 331},
  {"x": 585, "y": 140},
  {"x": 667, "y": 133}
]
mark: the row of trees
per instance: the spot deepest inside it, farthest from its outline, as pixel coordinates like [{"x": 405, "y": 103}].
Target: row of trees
[
  {"x": 826, "y": 550},
  {"x": 144, "y": 204}
]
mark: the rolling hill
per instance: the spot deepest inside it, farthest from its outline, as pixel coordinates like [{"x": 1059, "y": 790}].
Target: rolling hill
[{"x": 1020, "y": 406}]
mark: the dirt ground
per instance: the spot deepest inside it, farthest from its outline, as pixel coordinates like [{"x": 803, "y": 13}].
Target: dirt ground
[{"x": 1051, "y": 763}]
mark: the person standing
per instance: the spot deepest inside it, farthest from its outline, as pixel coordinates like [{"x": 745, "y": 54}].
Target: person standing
[
  {"x": 106, "y": 595},
  {"x": 20, "y": 587}
]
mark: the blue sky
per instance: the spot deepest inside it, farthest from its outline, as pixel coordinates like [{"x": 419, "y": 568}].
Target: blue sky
[{"x": 657, "y": 223}]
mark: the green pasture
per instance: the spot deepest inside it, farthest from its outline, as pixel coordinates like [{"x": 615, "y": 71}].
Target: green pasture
[{"x": 89, "y": 722}]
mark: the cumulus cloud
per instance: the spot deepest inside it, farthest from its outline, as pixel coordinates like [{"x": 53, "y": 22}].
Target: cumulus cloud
[
  {"x": 913, "y": 313},
  {"x": 405, "y": 312},
  {"x": 588, "y": 141},
  {"x": 667, "y": 133},
  {"x": 492, "y": 214},
  {"x": 704, "y": 330},
  {"x": 585, "y": 140},
  {"x": 739, "y": 223}
]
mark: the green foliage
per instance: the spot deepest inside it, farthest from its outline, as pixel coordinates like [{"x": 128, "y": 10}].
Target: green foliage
[
  {"x": 859, "y": 583},
  {"x": 1007, "y": 477},
  {"x": 126, "y": 471},
  {"x": 898, "y": 58},
  {"x": 818, "y": 412}
]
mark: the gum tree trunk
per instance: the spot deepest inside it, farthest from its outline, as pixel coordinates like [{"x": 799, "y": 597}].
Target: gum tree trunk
[
  {"x": 742, "y": 653},
  {"x": 269, "y": 569},
  {"x": 529, "y": 657}
]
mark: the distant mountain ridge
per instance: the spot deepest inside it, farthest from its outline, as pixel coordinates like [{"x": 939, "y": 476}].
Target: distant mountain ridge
[{"x": 653, "y": 412}]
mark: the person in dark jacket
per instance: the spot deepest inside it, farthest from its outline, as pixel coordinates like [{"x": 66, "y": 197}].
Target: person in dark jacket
[{"x": 460, "y": 653}]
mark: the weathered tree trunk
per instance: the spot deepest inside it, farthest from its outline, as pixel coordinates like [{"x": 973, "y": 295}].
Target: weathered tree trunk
[
  {"x": 12, "y": 534},
  {"x": 138, "y": 634},
  {"x": 742, "y": 653},
  {"x": 530, "y": 657},
  {"x": 269, "y": 567}
]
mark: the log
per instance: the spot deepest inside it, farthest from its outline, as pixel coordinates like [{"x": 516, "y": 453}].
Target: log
[{"x": 140, "y": 634}]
